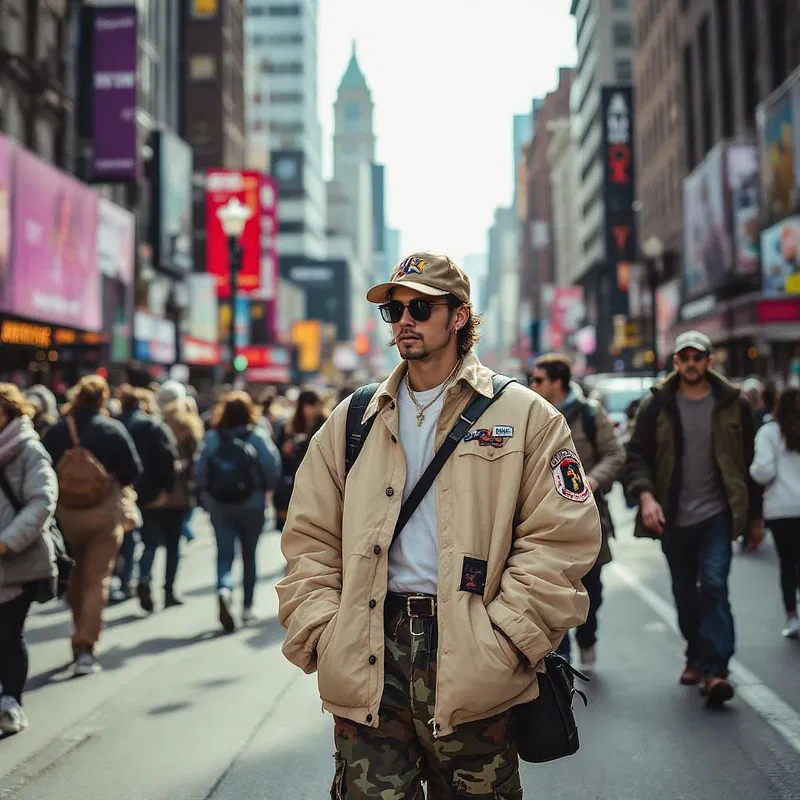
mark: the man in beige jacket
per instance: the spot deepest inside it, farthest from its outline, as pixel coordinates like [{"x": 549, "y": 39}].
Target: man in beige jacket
[{"x": 422, "y": 647}]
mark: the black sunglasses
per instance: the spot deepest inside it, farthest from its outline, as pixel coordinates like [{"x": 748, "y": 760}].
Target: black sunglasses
[{"x": 419, "y": 309}]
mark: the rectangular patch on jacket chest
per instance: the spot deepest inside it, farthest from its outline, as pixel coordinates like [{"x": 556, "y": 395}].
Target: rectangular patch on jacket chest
[{"x": 473, "y": 575}]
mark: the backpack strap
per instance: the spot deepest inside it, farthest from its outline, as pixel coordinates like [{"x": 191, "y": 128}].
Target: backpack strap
[
  {"x": 468, "y": 418},
  {"x": 357, "y": 430},
  {"x": 73, "y": 431}
]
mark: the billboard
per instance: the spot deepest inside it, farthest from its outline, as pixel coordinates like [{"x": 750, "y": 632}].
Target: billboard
[
  {"x": 780, "y": 257},
  {"x": 779, "y": 143},
  {"x": 668, "y": 303},
  {"x": 114, "y": 47},
  {"x": 287, "y": 169},
  {"x": 116, "y": 230},
  {"x": 707, "y": 241},
  {"x": 54, "y": 247},
  {"x": 616, "y": 108},
  {"x": 743, "y": 191},
  {"x": 6, "y": 179},
  {"x": 268, "y": 213},
  {"x": 223, "y": 185},
  {"x": 173, "y": 205}
]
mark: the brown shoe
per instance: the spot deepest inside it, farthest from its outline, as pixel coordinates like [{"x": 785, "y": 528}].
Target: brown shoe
[
  {"x": 690, "y": 675},
  {"x": 716, "y": 690}
]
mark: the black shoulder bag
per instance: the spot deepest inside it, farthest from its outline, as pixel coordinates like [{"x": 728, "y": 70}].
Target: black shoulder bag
[
  {"x": 545, "y": 728},
  {"x": 44, "y": 591}
]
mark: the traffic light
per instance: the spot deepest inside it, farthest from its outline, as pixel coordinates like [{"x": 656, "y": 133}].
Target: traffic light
[{"x": 240, "y": 363}]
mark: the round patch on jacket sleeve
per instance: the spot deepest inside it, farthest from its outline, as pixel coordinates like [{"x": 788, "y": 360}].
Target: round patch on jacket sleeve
[{"x": 568, "y": 476}]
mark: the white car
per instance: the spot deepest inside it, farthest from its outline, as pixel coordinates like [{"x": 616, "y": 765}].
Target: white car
[{"x": 616, "y": 393}]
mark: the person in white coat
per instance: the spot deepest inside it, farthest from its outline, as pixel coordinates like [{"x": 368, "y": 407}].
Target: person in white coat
[{"x": 776, "y": 465}]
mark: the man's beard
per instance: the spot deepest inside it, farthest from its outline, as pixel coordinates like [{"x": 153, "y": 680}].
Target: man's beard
[{"x": 694, "y": 378}]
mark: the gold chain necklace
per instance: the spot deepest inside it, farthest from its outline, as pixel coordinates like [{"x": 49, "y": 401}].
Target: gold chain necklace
[{"x": 422, "y": 409}]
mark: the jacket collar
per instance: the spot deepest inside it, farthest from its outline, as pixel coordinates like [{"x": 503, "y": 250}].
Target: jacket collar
[
  {"x": 723, "y": 390},
  {"x": 472, "y": 373}
]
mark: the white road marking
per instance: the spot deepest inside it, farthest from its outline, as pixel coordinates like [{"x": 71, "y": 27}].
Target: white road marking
[{"x": 778, "y": 714}]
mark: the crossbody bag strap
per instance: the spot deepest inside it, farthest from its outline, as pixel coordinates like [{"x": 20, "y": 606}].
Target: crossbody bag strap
[
  {"x": 9, "y": 492},
  {"x": 73, "y": 431},
  {"x": 468, "y": 418},
  {"x": 357, "y": 430}
]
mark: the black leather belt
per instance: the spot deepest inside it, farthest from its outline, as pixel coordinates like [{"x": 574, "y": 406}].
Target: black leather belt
[{"x": 413, "y": 605}]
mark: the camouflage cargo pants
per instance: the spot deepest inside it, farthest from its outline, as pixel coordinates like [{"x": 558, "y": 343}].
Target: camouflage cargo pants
[{"x": 390, "y": 762}]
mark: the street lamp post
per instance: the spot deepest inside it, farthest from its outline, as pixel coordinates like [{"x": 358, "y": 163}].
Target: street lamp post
[
  {"x": 653, "y": 250},
  {"x": 234, "y": 216}
]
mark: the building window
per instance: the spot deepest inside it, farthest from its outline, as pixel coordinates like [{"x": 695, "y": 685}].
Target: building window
[
  {"x": 257, "y": 11},
  {"x": 292, "y": 10},
  {"x": 286, "y": 68},
  {"x": 202, "y": 68},
  {"x": 623, "y": 70},
  {"x": 286, "y": 97},
  {"x": 283, "y": 38},
  {"x": 286, "y": 127},
  {"x": 619, "y": 4},
  {"x": 622, "y": 34}
]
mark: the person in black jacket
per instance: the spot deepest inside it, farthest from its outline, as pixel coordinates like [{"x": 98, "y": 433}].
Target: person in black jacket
[
  {"x": 158, "y": 450},
  {"x": 94, "y": 534}
]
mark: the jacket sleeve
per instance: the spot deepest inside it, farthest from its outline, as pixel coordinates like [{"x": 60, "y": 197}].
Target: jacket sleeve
[
  {"x": 166, "y": 451},
  {"x": 269, "y": 459},
  {"x": 127, "y": 465},
  {"x": 764, "y": 468},
  {"x": 54, "y": 442},
  {"x": 310, "y": 594},
  {"x": 204, "y": 451},
  {"x": 640, "y": 452},
  {"x": 755, "y": 492},
  {"x": 39, "y": 496},
  {"x": 555, "y": 544},
  {"x": 610, "y": 452}
]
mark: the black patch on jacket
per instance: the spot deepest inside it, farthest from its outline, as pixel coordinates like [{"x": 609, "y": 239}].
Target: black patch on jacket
[{"x": 473, "y": 575}]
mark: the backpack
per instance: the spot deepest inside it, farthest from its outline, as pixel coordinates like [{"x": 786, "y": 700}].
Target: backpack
[
  {"x": 83, "y": 481},
  {"x": 233, "y": 469}
]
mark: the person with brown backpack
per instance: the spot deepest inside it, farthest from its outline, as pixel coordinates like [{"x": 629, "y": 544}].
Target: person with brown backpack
[{"x": 95, "y": 457}]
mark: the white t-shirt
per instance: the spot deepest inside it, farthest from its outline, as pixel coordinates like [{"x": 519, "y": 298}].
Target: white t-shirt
[{"x": 414, "y": 557}]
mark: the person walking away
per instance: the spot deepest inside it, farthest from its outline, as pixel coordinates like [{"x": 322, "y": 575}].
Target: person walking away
[
  {"x": 292, "y": 436},
  {"x": 776, "y": 466},
  {"x": 187, "y": 432},
  {"x": 46, "y": 408},
  {"x": 236, "y": 467},
  {"x": 688, "y": 467},
  {"x": 94, "y": 457},
  {"x": 158, "y": 452},
  {"x": 422, "y": 646},
  {"x": 26, "y": 552},
  {"x": 603, "y": 457}
]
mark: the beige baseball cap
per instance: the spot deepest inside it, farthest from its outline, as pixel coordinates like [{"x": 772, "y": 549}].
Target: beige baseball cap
[
  {"x": 428, "y": 273},
  {"x": 695, "y": 339}
]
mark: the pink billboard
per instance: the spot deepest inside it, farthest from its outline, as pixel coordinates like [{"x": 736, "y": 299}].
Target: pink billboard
[
  {"x": 55, "y": 277},
  {"x": 6, "y": 175}
]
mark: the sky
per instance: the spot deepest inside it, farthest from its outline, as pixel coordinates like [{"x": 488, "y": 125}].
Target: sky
[{"x": 446, "y": 77}]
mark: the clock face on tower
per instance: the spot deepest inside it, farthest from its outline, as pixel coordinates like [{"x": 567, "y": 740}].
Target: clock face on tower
[{"x": 352, "y": 116}]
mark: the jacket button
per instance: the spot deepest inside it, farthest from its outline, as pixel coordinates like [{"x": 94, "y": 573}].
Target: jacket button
[
  {"x": 369, "y": 717},
  {"x": 377, "y": 549},
  {"x": 392, "y": 406},
  {"x": 372, "y": 604},
  {"x": 389, "y": 492},
  {"x": 394, "y": 439},
  {"x": 372, "y": 659}
]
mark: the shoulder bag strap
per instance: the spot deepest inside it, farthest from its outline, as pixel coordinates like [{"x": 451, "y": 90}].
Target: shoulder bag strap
[
  {"x": 471, "y": 414},
  {"x": 357, "y": 431},
  {"x": 9, "y": 492},
  {"x": 73, "y": 431}
]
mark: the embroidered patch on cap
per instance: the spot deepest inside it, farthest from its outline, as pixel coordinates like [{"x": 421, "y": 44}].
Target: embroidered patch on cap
[
  {"x": 413, "y": 265},
  {"x": 473, "y": 575},
  {"x": 568, "y": 476},
  {"x": 490, "y": 437}
]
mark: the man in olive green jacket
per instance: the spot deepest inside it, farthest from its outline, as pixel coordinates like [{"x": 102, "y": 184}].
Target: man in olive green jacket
[{"x": 688, "y": 466}]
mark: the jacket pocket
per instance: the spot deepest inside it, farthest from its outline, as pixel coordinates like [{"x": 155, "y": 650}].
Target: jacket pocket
[
  {"x": 509, "y": 651},
  {"x": 325, "y": 638}
]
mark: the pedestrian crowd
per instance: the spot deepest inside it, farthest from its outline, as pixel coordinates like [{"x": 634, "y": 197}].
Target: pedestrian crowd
[
  {"x": 431, "y": 594},
  {"x": 92, "y": 488}
]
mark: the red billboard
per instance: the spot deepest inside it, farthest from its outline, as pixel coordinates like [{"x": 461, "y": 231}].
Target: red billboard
[{"x": 223, "y": 185}]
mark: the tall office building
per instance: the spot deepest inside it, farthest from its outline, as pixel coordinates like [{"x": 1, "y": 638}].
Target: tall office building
[
  {"x": 523, "y": 132},
  {"x": 283, "y": 128}
]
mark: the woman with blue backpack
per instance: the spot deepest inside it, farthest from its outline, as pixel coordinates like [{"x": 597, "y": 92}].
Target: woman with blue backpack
[{"x": 237, "y": 465}]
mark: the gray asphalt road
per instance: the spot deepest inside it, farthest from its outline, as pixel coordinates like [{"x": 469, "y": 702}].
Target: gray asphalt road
[{"x": 184, "y": 713}]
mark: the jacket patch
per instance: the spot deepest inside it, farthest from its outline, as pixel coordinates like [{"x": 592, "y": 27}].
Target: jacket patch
[
  {"x": 568, "y": 476},
  {"x": 490, "y": 437},
  {"x": 473, "y": 575}
]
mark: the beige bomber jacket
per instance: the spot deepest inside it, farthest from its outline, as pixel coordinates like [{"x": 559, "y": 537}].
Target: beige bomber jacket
[{"x": 518, "y": 529}]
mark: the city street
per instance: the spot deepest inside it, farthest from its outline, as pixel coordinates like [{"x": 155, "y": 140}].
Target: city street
[{"x": 184, "y": 713}]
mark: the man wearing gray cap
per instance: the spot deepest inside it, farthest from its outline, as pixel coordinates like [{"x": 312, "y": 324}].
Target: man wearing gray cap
[
  {"x": 688, "y": 464},
  {"x": 425, "y": 627}
]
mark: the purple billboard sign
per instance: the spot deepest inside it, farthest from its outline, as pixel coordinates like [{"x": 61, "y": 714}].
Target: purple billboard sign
[
  {"x": 55, "y": 278},
  {"x": 6, "y": 180},
  {"x": 114, "y": 57}
]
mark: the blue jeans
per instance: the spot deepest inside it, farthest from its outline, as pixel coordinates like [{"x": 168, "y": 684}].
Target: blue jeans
[
  {"x": 244, "y": 523},
  {"x": 161, "y": 527},
  {"x": 699, "y": 559}
]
